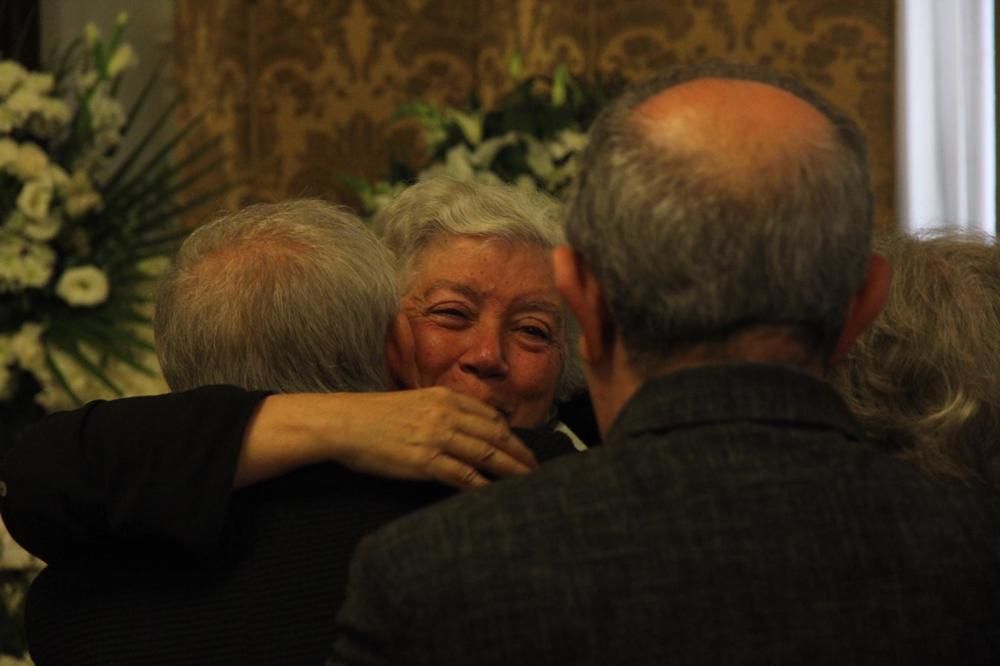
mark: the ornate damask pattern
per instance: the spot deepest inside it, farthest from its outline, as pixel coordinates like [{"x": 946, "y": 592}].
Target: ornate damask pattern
[{"x": 304, "y": 90}]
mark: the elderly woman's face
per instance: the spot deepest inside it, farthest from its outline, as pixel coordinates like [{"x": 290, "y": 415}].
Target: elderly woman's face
[{"x": 487, "y": 322}]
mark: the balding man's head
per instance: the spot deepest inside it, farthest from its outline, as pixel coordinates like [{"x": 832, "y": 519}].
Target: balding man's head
[{"x": 716, "y": 199}]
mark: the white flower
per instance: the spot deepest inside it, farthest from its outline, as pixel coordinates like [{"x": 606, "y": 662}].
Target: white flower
[
  {"x": 81, "y": 203},
  {"x": 35, "y": 198},
  {"x": 43, "y": 229},
  {"x": 40, "y": 83},
  {"x": 471, "y": 125},
  {"x": 26, "y": 346},
  {"x": 52, "y": 117},
  {"x": 11, "y": 75},
  {"x": 31, "y": 162},
  {"x": 153, "y": 266},
  {"x": 23, "y": 264},
  {"x": 58, "y": 176},
  {"x": 537, "y": 158},
  {"x": 36, "y": 265},
  {"x": 7, "y": 121},
  {"x": 6, "y": 351},
  {"x": 87, "y": 81},
  {"x": 106, "y": 112},
  {"x": 8, "y": 153},
  {"x": 487, "y": 151},
  {"x": 22, "y": 103},
  {"x": 123, "y": 58},
  {"x": 80, "y": 196},
  {"x": 567, "y": 142},
  {"x": 91, "y": 33},
  {"x": 458, "y": 163},
  {"x": 526, "y": 183},
  {"x": 83, "y": 286}
]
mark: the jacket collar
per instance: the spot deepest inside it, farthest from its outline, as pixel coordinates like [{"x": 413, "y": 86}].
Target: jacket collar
[{"x": 718, "y": 394}]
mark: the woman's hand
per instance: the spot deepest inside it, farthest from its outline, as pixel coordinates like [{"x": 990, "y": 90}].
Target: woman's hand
[{"x": 424, "y": 434}]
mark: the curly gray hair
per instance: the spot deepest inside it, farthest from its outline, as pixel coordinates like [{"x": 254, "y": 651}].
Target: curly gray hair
[{"x": 924, "y": 380}]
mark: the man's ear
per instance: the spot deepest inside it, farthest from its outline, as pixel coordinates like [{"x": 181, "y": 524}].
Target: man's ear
[
  {"x": 400, "y": 354},
  {"x": 585, "y": 297},
  {"x": 865, "y": 306}
]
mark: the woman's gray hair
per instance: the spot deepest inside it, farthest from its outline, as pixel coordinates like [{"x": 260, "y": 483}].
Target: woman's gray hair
[
  {"x": 924, "y": 380},
  {"x": 295, "y": 296},
  {"x": 688, "y": 256},
  {"x": 441, "y": 207}
]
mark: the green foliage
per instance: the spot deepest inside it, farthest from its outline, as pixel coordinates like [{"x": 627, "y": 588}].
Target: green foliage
[{"x": 531, "y": 137}]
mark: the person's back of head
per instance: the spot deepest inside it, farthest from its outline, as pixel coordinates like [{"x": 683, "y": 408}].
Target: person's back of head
[
  {"x": 924, "y": 380},
  {"x": 295, "y": 296},
  {"x": 719, "y": 200}
]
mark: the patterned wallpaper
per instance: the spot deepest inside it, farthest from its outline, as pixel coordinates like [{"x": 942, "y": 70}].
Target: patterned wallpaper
[{"x": 303, "y": 90}]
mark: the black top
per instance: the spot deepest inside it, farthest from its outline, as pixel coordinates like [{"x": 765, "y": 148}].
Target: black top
[{"x": 153, "y": 563}]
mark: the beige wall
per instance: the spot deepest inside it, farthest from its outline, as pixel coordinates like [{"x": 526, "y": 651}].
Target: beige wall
[{"x": 303, "y": 90}]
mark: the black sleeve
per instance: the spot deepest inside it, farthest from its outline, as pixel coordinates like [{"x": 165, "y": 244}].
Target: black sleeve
[{"x": 154, "y": 469}]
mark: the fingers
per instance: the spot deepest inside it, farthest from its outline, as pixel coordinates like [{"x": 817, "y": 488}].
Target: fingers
[
  {"x": 487, "y": 457},
  {"x": 499, "y": 451},
  {"x": 455, "y": 473}
]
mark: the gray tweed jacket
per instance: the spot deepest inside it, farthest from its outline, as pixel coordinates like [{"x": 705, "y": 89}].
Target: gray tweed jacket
[{"x": 734, "y": 516}]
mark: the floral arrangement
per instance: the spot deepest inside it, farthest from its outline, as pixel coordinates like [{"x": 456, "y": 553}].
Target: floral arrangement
[
  {"x": 84, "y": 227},
  {"x": 530, "y": 138},
  {"x": 87, "y": 222}
]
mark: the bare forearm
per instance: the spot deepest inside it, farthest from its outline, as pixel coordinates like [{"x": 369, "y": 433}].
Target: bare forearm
[{"x": 427, "y": 434}]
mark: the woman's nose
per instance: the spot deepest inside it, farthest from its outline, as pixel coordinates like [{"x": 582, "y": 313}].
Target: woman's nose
[{"x": 484, "y": 357}]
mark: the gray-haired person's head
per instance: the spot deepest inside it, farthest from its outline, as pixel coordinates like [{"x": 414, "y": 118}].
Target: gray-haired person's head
[
  {"x": 924, "y": 380},
  {"x": 295, "y": 296},
  {"x": 688, "y": 255},
  {"x": 439, "y": 208}
]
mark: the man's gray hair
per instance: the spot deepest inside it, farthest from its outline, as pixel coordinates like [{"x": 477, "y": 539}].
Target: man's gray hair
[
  {"x": 295, "y": 296},
  {"x": 686, "y": 257},
  {"x": 924, "y": 380},
  {"x": 441, "y": 207}
]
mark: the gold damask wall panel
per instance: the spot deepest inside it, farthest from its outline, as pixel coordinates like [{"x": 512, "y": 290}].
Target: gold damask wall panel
[{"x": 304, "y": 90}]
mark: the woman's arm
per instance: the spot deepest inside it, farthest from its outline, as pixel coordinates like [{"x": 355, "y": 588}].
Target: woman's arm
[
  {"x": 160, "y": 469},
  {"x": 156, "y": 468}
]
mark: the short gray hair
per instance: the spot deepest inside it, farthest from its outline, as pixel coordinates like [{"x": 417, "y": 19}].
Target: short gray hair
[
  {"x": 686, "y": 258},
  {"x": 296, "y": 296},
  {"x": 441, "y": 207},
  {"x": 924, "y": 380}
]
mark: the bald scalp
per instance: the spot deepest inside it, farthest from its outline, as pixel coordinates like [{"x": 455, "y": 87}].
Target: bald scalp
[
  {"x": 717, "y": 199},
  {"x": 747, "y": 131}
]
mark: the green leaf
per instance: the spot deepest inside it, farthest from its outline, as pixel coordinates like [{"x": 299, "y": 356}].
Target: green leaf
[
  {"x": 144, "y": 142},
  {"x": 53, "y": 367},
  {"x": 140, "y": 100}
]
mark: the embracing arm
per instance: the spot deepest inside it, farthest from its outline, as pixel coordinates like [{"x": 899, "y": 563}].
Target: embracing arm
[
  {"x": 161, "y": 468},
  {"x": 150, "y": 468}
]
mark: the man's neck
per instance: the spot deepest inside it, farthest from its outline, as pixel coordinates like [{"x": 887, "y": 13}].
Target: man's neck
[{"x": 614, "y": 384}]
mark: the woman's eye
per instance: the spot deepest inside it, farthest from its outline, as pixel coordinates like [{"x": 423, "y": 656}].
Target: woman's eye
[
  {"x": 536, "y": 332},
  {"x": 451, "y": 313}
]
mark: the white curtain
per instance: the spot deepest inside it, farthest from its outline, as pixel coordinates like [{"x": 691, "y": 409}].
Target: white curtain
[{"x": 945, "y": 115}]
